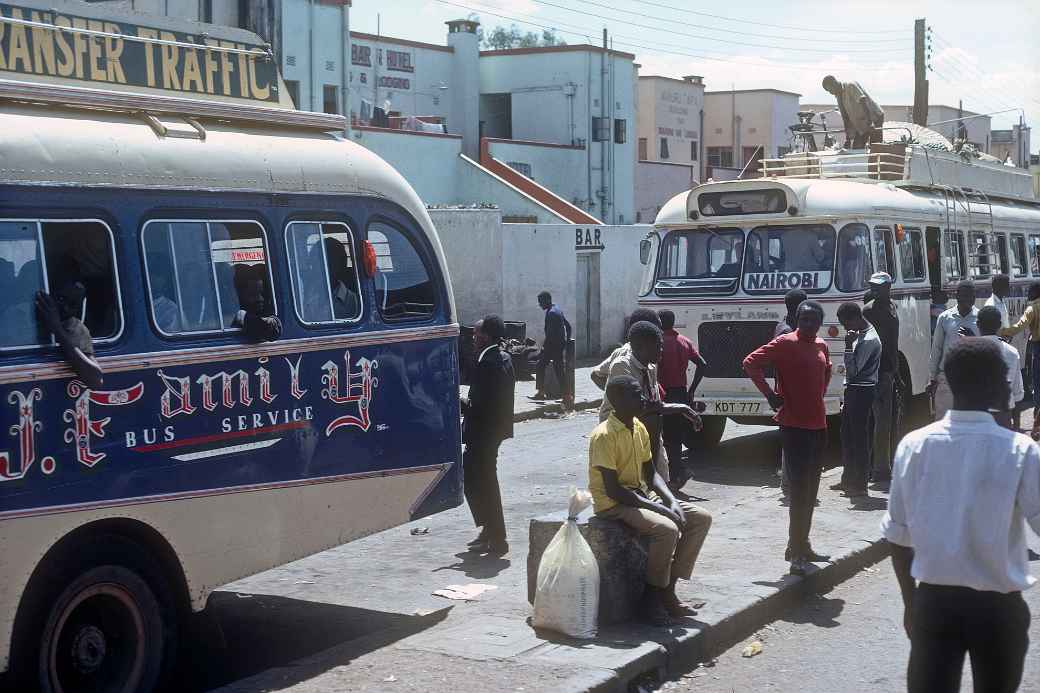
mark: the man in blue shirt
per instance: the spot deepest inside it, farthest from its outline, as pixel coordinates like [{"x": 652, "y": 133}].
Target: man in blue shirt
[{"x": 557, "y": 334}]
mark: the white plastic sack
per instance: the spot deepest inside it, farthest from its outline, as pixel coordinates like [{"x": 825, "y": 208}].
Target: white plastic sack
[{"x": 567, "y": 596}]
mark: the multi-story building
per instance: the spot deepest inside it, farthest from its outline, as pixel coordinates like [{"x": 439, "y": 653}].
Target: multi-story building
[
  {"x": 1011, "y": 145},
  {"x": 669, "y": 144},
  {"x": 745, "y": 125},
  {"x": 310, "y": 40}
]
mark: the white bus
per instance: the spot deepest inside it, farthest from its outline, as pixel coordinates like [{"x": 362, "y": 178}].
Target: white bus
[{"x": 723, "y": 255}]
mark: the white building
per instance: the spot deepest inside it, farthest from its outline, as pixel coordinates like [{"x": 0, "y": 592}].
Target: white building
[
  {"x": 562, "y": 116},
  {"x": 745, "y": 125},
  {"x": 310, "y": 39},
  {"x": 669, "y": 145}
]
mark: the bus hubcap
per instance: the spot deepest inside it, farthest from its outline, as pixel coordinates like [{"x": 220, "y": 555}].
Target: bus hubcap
[{"x": 88, "y": 649}]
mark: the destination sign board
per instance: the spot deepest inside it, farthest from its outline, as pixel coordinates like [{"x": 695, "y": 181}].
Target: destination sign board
[
  {"x": 45, "y": 42},
  {"x": 763, "y": 282}
]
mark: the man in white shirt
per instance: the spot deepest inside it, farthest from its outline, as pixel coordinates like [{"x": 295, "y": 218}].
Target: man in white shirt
[
  {"x": 963, "y": 489},
  {"x": 989, "y": 325},
  {"x": 1001, "y": 290},
  {"x": 950, "y": 327}
]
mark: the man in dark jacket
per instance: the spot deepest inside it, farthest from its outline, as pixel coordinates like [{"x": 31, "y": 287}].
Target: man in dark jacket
[
  {"x": 488, "y": 420},
  {"x": 557, "y": 333}
]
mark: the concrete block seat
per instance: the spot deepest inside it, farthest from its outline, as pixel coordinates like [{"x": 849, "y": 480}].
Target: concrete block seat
[{"x": 619, "y": 551}]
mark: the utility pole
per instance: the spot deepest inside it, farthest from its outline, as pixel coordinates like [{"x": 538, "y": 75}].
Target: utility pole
[{"x": 920, "y": 75}]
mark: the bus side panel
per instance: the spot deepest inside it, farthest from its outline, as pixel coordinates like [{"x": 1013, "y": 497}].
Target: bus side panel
[{"x": 242, "y": 463}]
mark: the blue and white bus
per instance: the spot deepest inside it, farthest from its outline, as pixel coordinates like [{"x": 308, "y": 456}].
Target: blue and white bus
[{"x": 205, "y": 455}]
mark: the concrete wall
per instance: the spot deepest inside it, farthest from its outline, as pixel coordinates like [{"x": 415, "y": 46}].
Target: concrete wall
[
  {"x": 302, "y": 20},
  {"x": 559, "y": 168},
  {"x": 475, "y": 185},
  {"x": 763, "y": 117},
  {"x": 472, "y": 242},
  {"x": 428, "y": 162},
  {"x": 670, "y": 108},
  {"x": 656, "y": 183}
]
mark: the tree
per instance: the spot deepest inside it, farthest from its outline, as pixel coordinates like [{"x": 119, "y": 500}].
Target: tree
[{"x": 501, "y": 38}]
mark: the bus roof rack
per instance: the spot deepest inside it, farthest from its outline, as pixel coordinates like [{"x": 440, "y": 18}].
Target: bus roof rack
[
  {"x": 904, "y": 165},
  {"x": 130, "y": 102}
]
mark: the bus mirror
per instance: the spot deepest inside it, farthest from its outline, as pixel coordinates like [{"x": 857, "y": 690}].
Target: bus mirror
[{"x": 644, "y": 251}]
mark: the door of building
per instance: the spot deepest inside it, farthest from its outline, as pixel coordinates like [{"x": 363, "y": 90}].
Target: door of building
[{"x": 587, "y": 319}]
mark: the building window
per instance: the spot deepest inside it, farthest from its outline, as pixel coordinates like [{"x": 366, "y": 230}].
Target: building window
[
  {"x": 664, "y": 147},
  {"x": 294, "y": 91},
  {"x": 521, "y": 168},
  {"x": 642, "y": 149},
  {"x": 721, "y": 157},
  {"x": 620, "y": 131},
  {"x": 331, "y": 99},
  {"x": 694, "y": 150},
  {"x": 207, "y": 11}
]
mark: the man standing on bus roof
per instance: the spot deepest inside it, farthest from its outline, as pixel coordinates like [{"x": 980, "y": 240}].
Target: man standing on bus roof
[
  {"x": 679, "y": 353},
  {"x": 863, "y": 352},
  {"x": 860, "y": 113},
  {"x": 802, "y": 364},
  {"x": 881, "y": 313},
  {"x": 953, "y": 325},
  {"x": 557, "y": 334},
  {"x": 488, "y": 420}
]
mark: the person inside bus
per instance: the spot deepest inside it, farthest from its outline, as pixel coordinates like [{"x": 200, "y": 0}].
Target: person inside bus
[
  {"x": 59, "y": 313},
  {"x": 164, "y": 296},
  {"x": 256, "y": 317},
  {"x": 803, "y": 251},
  {"x": 952, "y": 326},
  {"x": 18, "y": 318},
  {"x": 802, "y": 363},
  {"x": 732, "y": 268},
  {"x": 626, "y": 487},
  {"x": 345, "y": 302}
]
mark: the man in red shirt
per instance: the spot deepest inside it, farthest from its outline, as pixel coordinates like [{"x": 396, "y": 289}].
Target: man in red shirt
[
  {"x": 802, "y": 364},
  {"x": 671, "y": 373}
]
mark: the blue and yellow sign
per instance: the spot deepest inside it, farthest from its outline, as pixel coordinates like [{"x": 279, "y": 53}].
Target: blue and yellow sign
[{"x": 54, "y": 44}]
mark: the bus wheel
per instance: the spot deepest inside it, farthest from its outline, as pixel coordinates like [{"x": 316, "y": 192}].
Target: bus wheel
[
  {"x": 103, "y": 633},
  {"x": 710, "y": 434}
]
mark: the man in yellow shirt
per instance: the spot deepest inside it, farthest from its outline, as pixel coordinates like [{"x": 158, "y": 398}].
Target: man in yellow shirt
[{"x": 626, "y": 487}]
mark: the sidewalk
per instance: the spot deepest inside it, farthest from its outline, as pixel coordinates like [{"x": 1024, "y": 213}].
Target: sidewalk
[{"x": 487, "y": 645}]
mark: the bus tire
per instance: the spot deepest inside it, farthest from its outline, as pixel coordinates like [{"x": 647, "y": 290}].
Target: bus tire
[
  {"x": 105, "y": 621},
  {"x": 712, "y": 430}
]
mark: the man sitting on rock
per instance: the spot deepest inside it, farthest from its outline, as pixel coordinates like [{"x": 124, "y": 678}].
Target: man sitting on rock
[{"x": 626, "y": 487}]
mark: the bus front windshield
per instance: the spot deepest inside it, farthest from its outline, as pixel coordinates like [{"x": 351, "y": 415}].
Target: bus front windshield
[
  {"x": 701, "y": 261},
  {"x": 780, "y": 258}
]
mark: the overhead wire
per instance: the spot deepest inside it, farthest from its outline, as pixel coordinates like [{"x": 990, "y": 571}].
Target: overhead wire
[
  {"x": 971, "y": 75},
  {"x": 874, "y": 41},
  {"x": 700, "y": 36},
  {"x": 633, "y": 42}
]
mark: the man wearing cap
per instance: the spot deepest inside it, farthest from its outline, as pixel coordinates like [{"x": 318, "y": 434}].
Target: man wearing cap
[{"x": 881, "y": 313}]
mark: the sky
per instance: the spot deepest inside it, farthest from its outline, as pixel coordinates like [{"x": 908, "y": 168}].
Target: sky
[{"x": 986, "y": 53}]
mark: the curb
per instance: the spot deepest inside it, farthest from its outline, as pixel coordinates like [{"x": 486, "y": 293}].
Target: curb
[{"x": 677, "y": 655}]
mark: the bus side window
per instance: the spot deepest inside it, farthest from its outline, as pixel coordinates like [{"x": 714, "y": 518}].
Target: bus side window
[
  {"x": 197, "y": 271},
  {"x": 883, "y": 250},
  {"x": 47, "y": 256},
  {"x": 981, "y": 252},
  {"x": 854, "y": 263},
  {"x": 1034, "y": 255},
  {"x": 911, "y": 255},
  {"x": 404, "y": 290},
  {"x": 954, "y": 255},
  {"x": 324, "y": 274},
  {"x": 1018, "y": 254}
]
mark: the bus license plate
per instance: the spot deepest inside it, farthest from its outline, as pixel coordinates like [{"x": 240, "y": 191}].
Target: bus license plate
[{"x": 738, "y": 407}]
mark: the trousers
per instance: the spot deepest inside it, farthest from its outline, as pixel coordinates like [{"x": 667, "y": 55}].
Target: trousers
[
  {"x": 803, "y": 456},
  {"x": 948, "y": 622},
  {"x": 1035, "y": 372},
  {"x": 882, "y": 445},
  {"x": 675, "y": 433},
  {"x": 554, "y": 355},
  {"x": 480, "y": 483},
  {"x": 855, "y": 438},
  {"x": 672, "y": 553}
]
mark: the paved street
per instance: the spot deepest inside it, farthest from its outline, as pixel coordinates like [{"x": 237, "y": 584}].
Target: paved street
[
  {"x": 360, "y": 601},
  {"x": 848, "y": 640}
]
